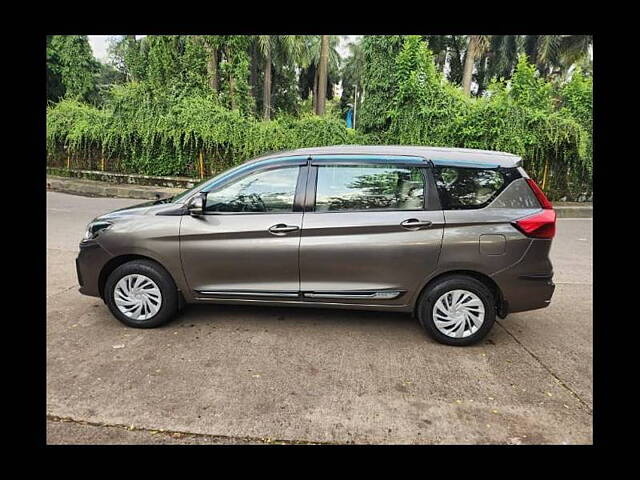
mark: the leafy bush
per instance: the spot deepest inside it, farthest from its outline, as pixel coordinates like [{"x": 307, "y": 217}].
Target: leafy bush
[{"x": 143, "y": 132}]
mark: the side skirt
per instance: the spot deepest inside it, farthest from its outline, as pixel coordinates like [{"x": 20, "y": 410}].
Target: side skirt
[{"x": 312, "y": 299}]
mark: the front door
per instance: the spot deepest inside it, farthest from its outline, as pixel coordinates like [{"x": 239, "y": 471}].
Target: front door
[
  {"x": 246, "y": 243},
  {"x": 371, "y": 234}
]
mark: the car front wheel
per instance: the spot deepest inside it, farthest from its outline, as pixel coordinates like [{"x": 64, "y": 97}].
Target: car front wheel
[{"x": 141, "y": 294}]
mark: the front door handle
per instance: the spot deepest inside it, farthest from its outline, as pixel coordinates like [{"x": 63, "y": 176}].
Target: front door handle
[
  {"x": 282, "y": 229},
  {"x": 415, "y": 224}
]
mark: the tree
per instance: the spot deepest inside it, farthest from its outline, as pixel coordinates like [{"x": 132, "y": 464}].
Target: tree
[
  {"x": 276, "y": 52},
  {"x": 457, "y": 46},
  {"x": 212, "y": 44},
  {"x": 107, "y": 78},
  {"x": 265, "y": 43},
  {"x": 378, "y": 80},
  {"x": 322, "y": 75},
  {"x": 234, "y": 71},
  {"x": 132, "y": 56},
  {"x": 449, "y": 52},
  {"x": 553, "y": 55},
  {"x": 501, "y": 58},
  {"x": 284, "y": 91},
  {"x": 310, "y": 61},
  {"x": 476, "y": 46},
  {"x": 422, "y": 108},
  {"x": 352, "y": 74},
  {"x": 577, "y": 99},
  {"x": 55, "y": 88},
  {"x": 439, "y": 45},
  {"x": 72, "y": 71}
]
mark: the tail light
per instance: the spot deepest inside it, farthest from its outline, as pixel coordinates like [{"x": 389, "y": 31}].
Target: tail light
[
  {"x": 539, "y": 225},
  {"x": 542, "y": 198}
]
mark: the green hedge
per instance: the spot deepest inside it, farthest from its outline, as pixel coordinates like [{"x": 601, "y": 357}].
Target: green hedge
[{"x": 161, "y": 136}]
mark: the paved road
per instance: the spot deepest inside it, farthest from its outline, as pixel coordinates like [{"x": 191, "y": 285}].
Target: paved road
[{"x": 236, "y": 374}]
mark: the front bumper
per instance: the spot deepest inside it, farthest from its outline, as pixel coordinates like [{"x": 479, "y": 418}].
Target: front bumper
[{"x": 89, "y": 263}]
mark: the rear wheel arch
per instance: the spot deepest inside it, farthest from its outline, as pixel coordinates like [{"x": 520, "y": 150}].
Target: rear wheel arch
[{"x": 481, "y": 277}]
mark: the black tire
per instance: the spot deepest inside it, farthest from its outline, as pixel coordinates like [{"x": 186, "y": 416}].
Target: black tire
[
  {"x": 152, "y": 270},
  {"x": 444, "y": 285}
]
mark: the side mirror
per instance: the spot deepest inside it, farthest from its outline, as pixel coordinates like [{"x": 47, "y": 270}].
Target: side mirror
[{"x": 196, "y": 205}]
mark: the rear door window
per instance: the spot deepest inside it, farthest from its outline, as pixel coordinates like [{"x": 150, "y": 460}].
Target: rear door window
[
  {"x": 369, "y": 187},
  {"x": 468, "y": 188}
]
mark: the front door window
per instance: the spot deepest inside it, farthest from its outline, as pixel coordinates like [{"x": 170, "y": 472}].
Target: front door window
[{"x": 268, "y": 191}]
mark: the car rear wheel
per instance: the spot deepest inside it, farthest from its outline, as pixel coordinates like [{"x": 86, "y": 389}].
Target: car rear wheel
[
  {"x": 141, "y": 294},
  {"x": 457, "y": 310}
]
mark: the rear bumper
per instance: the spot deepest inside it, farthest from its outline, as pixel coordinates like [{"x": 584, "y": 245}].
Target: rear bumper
[
  {"x": 89, "y": 263},
  {"x": 527, "y": 294},
  {"x": 528, "y": 285}
]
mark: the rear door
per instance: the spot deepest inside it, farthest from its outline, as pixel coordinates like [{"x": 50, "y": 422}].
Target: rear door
[{"x": 372, "y": 229}]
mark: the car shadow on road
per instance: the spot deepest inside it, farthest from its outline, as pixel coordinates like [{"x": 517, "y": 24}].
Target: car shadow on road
[{"x": 264, "y": 316}]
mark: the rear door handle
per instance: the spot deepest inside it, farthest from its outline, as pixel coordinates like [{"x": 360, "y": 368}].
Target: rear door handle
[
  {"x": 282, "y": 229},
  {"x": 415, "y": 224}
]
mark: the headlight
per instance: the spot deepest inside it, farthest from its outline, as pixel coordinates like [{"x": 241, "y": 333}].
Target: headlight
[{"x": 93, "y": 228}]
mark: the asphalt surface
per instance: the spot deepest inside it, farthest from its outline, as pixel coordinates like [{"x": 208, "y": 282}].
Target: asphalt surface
[{"x": 240, "y": 374}]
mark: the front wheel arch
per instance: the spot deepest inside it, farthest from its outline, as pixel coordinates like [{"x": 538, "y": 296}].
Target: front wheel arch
[{"x": 115, "y": 262}]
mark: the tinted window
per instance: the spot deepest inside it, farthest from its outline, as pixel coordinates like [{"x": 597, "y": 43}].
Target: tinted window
[
  {"x": 266, "y": 191},
  {"x": 363, "y": 187},
  {"x": 462, "y": 188}
]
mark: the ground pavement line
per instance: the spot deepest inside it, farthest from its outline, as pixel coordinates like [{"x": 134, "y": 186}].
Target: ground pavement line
[
  {"x": 173, "y": 433},
  {"x": 559, "y": 381}
]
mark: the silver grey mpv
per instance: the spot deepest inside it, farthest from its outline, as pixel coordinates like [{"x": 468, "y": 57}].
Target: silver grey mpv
[{"x": 453, "y": 236}]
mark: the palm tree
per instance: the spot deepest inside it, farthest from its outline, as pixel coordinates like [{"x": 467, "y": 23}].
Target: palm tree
[
  {"x": 476, "y": 46},
  {"x": 554, "y": 55},
  {"x": 439, "y": 45},
  {"x": 322, "y": 74},
  {"x": 575, "y": 48},
  {"x": 276, "y": 50},
  {"x": 502, "y": 56},
  {"x": 456, "y": 45},
  {"x": 311, "y": 60},
  {"x": 265, "y": 45}
]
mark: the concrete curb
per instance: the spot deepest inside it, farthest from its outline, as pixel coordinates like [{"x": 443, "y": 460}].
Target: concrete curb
[
  {"x": 94, "y": 188},
  {"x": 123, "y": 178},
  {"x": 91, "y": 188},
  {"x": 573, "y": 212}
]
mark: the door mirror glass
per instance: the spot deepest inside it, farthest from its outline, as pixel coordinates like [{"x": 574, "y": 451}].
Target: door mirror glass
[{"x": 196, "y": 205}]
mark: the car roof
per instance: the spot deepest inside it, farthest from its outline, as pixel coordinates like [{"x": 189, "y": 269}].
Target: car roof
[{"x": 438, "y": 155}]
